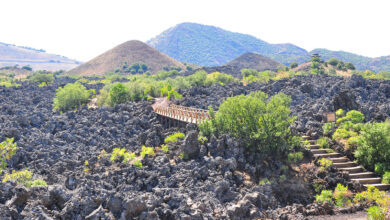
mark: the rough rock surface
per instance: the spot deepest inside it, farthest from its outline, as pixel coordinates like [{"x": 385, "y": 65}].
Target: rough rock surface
[{"x": 312, "y": 96}]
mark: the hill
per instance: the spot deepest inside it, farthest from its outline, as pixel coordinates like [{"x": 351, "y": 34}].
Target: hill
[
  {"x": 129, "y": 53},
  {"x": 212, "y": 46},
  {"x": 254, "y": 61},
  {"x": 11, "y": 55},
  {"x": 361, "y": 62}
]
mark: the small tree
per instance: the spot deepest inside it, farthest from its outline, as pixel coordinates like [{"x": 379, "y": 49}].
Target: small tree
[
  {"x": 293, "y": 65},
  {"x": 71, "y": 96},
  {"x": 119, "y": 94},
  {"x": 333, "y": 61},
  {"x": 7, "y": 150},
  {"x": 262, "y": 124}
]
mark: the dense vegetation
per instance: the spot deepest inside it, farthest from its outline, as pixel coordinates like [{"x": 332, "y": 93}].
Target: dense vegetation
[
  {"x": 262, "y": 123},
  {"x": 71, "y": 96}
]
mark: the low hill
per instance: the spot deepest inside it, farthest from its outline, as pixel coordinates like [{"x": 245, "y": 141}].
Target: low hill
[
  {"x": 212, "y": 46},
  {"x": 129, "y": 53},
  {"x": 254, "y": 61},
  {"x": 361, "y": 62},
  {"x": 11, "y": 55}
]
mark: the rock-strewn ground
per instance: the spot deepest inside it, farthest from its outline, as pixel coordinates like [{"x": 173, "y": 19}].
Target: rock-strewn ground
[
  {"x": 218, "y": 181},
  {"x": 311, "y": 97}
]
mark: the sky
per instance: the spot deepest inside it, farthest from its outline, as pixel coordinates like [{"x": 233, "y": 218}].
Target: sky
[{"x": 83, "y": 29}]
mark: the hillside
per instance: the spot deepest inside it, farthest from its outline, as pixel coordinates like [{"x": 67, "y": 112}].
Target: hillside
[
  {"x": 11, "y": 55},
  {"x": 361, "y": 62},
  {"x": 254, "y": 61},
  {"x": 129, "y": 52},
  {"x": 212, "y": 46}
]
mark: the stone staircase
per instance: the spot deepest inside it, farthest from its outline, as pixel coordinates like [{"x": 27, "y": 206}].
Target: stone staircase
[{"x": 355, "y": 172}]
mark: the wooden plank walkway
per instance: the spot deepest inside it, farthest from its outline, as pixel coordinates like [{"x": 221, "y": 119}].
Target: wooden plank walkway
[{"x": 181, "y": 113}]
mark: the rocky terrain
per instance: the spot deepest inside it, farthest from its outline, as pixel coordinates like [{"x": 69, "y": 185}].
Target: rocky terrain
[
  {"x": 312, "y": 96},
  {"x": 217, "y": 181}
]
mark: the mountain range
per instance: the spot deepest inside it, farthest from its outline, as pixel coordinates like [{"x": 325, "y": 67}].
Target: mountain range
[
  {"x": 212, "y": 46},
  {"x": 11, "y": 55}
]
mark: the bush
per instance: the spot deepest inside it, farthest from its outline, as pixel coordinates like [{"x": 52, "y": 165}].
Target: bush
[
  {"x": 174, "y": 137},
  {"x": 325, "y": 164},
  {"x": 323, "y": 142},
  {"x": 23, "y": 177},
  {"x": 386, "y": 178},
  {"x": 326, "y": 195},
  {"x": 119, "y": 94},
  {"x": 293, "y": 65},
  {"x": 147, "y": 151},
  {"x": 333, "y": 61},
  {"x": 262, "y": 124},
  {"x": 42, "y": 77},
  {"x": 342, "y": 195},
  {"x": 373, "y": 146},
  {"x": 7, "y": 150},
  {"x": 295, "y": 157},
  {"x": 376, "y": 213},
  {"x": 71, "y": 96}
]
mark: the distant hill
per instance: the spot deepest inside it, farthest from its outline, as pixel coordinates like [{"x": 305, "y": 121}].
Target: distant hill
[
  {"x": 11, "y": 55},
  {"x": 212, "y": 46},
  {"x": 129, "y": 53},
  {"x": 361, "y": 62},
  {"x": 254, "y": 61}
]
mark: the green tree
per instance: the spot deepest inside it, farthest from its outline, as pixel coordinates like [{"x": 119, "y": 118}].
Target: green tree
[
  {"x": 119, "y": 94},
  {"x": 293, "y": 65},
  {"x": 333, "y": 61},
  {"x": 71, "y": 96},
  {"x": 261, "y": 123}
]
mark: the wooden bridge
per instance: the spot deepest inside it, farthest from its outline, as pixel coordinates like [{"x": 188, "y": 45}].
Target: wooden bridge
[{"x": 184, "y": 114}]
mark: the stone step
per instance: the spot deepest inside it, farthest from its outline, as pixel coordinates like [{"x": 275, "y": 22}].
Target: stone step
[
  {"x": 320, "y": 151},
  {"x": 380, "y": 186},
  {"x": 328, "y": 155},
  {"x": 361, "y": 175},
  {"x": 305, "y": 137},
  {"x": 314, "y": 146},
  {"x": 339, "y": 159},
  {"x": 344, "y": 164},
  {"x": 372, "y": 180},
  {"x": 357, "y": 169}
]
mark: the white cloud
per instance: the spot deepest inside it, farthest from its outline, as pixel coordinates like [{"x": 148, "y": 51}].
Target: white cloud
[{"x": 83, "y": 29}]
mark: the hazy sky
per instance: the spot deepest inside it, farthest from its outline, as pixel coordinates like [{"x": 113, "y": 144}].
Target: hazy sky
[{"x": 82, "y": 29}]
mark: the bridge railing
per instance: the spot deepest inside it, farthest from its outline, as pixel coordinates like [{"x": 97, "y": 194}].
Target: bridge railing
[{"x": 182, "y": 113}]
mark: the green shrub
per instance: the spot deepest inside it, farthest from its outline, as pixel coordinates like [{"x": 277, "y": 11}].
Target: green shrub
[
  {"x": 174, "y": 137},
  {"x": 327, "y": 129},
  {"x": 295, "y": 157},
  {"x": 119, "y": 94},
  {"x": 376, "y": 213},
  {"x": 262, "y": 124},
  {"x": 264, "y": 181},
  {"x": 42, "y": 77},
  {"x": 326, "y": 195},
  {"x": 342, "y": 195},
  {"x": 71, "y": 96},
  {"x": 202, "y": 139},
  {"x": 165, "y": 148},
  {"x": 121, "y": 152},
  {"x": 371, "y": 194},
  {"x": 323, "y": 142},
  {"x": 9, "y": 83},
  {"x": 340, "y": 113},
  {"x": 373, "y": 146},
  {"x": 386, "y": 178},
  {"x": 7, "y": 150},
  {"x": 23, "y": 177},
  {"x": 293, "y": 65},
  {"x": 138, "y": 164},
  {"x": 325, "y": 164},
  {"x": 147, "y": 151},
  {"x": 333, "y": 61}
]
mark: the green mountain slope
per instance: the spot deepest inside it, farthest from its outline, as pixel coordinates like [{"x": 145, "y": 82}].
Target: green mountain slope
[
  {"x": 211, "y": 46},
  {"x": 360, "y": 62}
]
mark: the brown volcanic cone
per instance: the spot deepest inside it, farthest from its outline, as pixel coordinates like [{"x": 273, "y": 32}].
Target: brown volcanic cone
[
  {"x": 130, "y": 52},
  {"x": 254, "y": 61}
]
